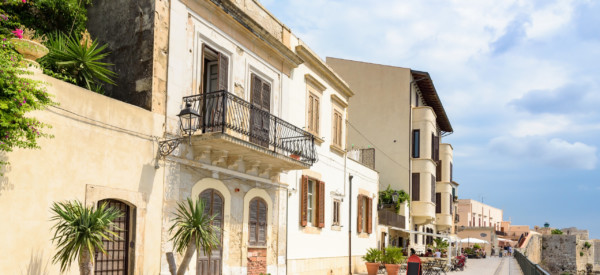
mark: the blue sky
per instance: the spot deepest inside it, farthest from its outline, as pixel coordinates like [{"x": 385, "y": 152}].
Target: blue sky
[{"x": 519, "y": 81}]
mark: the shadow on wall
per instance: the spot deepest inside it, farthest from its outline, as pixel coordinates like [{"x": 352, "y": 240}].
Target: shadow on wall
[
  {"x": 5, "y": 184},
  {"x": 147, "y": 180},
  {"x": 37, "y": 265}
]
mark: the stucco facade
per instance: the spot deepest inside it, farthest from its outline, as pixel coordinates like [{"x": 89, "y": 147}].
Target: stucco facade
[
  {"x": 476, "y": 214},
  {"x": 408, "y": 126}
]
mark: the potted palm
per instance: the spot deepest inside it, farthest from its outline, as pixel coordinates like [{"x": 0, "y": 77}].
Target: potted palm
[
  {"x": 80, "y": 231},
  {"x": 392, "y": 259},
  {"x": 372, "y": 259},
  {"x": 193, "y": 229}
]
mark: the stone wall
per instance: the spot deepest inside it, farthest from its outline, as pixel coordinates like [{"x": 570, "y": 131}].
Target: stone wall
[
  {"x": 559, "y": 253},
  {"x": 137, "y": 36},
  {"x": 533, "y": 249},
  {"x": 257, "y": 261},
  {"x": 584, "y": 255}
]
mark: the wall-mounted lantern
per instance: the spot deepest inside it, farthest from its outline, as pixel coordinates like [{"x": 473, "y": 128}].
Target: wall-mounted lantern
[{"x": 189, "y": 121}]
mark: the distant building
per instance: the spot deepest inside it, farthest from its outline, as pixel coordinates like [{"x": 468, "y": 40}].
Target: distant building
[{"x": 476, "y": 214}]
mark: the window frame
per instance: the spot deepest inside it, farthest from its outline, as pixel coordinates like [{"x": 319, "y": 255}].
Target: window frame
[
  {"x": 257, "y": 241},
  {"x": 311, "y": 202},
  {"x": 337, "y": 129},
  {"x": 416, "y": 143},
  {"x": 313, "y": 114},
  {"x": 336, "y": 207}
]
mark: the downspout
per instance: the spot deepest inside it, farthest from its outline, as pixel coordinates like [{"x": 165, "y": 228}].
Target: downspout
[{"x": 350, "y": 225}]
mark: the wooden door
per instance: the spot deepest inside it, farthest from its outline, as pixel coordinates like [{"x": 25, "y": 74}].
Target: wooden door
[
  {"x": 116, "y": 259},
  {"x": 260, "y": 118},
  {"x": 212, "y": 264}
]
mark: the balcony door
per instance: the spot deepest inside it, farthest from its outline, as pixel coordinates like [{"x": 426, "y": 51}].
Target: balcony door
[
  {"x": 260, "y": 118},
  {"x": 214, "y": 78},
  {"x": 214, "y": 205}
]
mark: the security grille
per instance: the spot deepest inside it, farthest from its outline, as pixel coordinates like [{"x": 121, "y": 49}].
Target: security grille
[{"x": 115, "y": 261}]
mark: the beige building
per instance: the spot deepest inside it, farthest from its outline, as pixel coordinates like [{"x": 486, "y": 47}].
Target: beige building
[
  {"x": 407, "y": 127},
  {"x": 275, "y": 173},
  {"x": 476, "y": 214}
]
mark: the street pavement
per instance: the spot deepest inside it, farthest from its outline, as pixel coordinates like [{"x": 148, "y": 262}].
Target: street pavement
[{"x": 489, "y": 266}]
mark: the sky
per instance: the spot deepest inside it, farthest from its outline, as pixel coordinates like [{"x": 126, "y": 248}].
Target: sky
[{"x": 518, "y": 79}]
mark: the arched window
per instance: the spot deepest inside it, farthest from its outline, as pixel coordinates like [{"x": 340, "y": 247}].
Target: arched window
[
  {"x": 258, "y": 222},
  {"x": 118, "y": 252}
]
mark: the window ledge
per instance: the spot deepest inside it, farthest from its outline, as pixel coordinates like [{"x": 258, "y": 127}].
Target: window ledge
[
  {"x": 363, "y": 235},
  {"x": 311, "y": 230},
  {"x": 337, "y": 149},
  {"x": 258, "y": 246},
  {"x": 318, "y": 140},
  {"x": 336, "y": 228}
]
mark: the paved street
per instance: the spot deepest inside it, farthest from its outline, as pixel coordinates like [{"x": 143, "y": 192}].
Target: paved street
[{"x": 489, "y": 266}]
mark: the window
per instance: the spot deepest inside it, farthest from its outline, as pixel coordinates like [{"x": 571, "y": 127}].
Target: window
[
  {"x": 416, "y": 143},
  {"x": 257, "y": 222},
  {"x": 336, "y": 212},
  {"x": 364, "y": 214},
  {"x": 312, "y": 203},
  {"x": 416, "y": 186},
  {"x": 416, "y": 235},
  {"x": 337, "y": 128},
  {"x": 451, "y": 171},
  {"x": 435, "y": 147},
  {"x": 313, "y": 112},
  {"x": 450, "y": 199},
  {"x": 215, "y": 70}
]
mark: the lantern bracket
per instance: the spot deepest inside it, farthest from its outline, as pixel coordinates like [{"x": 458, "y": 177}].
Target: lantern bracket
[{"x": 166, "y": 147}]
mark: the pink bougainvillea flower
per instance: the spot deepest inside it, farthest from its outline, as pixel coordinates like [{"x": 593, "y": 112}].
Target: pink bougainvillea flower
[
  {"x": 18, "y": 33},
  {"x": 24, "y": 1}
]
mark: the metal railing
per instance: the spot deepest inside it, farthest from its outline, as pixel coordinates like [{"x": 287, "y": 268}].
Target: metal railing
[
  {"x": 227, "y": 113},
  {"x": 527, "y": 266}
]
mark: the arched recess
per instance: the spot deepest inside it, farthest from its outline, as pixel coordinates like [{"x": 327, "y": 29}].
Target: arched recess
[
  {"x": 251, "y": 194},
  {"x": 223, "y": 192},
  {"x": 137, "y": 203}
]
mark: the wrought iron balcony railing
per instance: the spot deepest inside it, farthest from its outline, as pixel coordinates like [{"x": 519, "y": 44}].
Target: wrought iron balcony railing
[{"x": 227, "y": 113}]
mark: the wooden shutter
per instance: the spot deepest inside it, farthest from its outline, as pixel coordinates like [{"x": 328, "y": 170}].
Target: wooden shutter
[
  {"x": 438, "y": 202},
  {"x": 416, "y": 186},
  {"x": 433, "y": 189},
  {"x": 436, "y": 148},
  {"x": 311, "y": 119},
  {"x": 416, "y": 148},
  {"x": 321, "y": 206},
  {"x": 304, "y": 201},
  {"x": 316, "y": 114},
  {"x": 262, "y": 223},
  {"x": 223, "y": 71},
  {"x": 438, "y": 171},
  {"x": 369, "y": 215},
  {"x": 335, "y": 128},
  {"x": 359, "y": 214},
  {"x": 253, "y": 222},
  {"x": 432, "y": 146}
]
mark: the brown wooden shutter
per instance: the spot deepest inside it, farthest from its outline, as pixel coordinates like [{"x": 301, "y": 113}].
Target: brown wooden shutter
[
  {"x": 321, "y": 207},
  {"x": 310, "y": 112},
  {"x": 304, "y": 201},
  {"x": 416, "y": 186},
  {"x": 262, "y": 223},
  {"x": 201, "y": 86},
  {"x": 438, "y": 202},
  {"x": 316, "y": 110},
  {"x": 369, "y": 215},
  {"x": 253, "y": 224},
  {"x": 223, "y": 71},
  {"x": 438, "y": 171},
  {"x": 432, "y": 146},
  {"x": 359, "y": 214},
  {"x": 433, "y": 188},
  {"x": 436, "y": 147}
]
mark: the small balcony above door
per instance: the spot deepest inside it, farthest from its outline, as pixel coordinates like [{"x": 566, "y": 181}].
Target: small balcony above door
[{"x": 240, "y": 135}]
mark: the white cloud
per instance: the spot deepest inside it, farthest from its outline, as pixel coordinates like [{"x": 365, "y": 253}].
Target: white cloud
[
  {"x": 541, "y": 125},
  {"x": 550, "y": 19},
  {"x": 554, "y": 152}
]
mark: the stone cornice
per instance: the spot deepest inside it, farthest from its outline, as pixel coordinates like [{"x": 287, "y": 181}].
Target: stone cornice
[{"x": 325, "y": 71}]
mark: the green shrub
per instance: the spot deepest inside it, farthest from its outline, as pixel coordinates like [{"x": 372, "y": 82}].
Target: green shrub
[
  {"x": 587, "y": 245},
  {"x": 556, "y": 232},
  {"x": 19, "y": 96},
  {"x": 393, "y": 255},
  {"x": 373, "y": 255},
  {"x": 78, "y": 57}
]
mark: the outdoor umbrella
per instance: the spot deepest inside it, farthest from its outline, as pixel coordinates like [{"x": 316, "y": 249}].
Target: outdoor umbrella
[{"x": 472, "y": 240}]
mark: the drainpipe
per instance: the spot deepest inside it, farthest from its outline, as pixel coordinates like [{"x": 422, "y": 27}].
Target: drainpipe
[
  {"x": 350, "y": 225},
  {"x": 287, "y": 205}
]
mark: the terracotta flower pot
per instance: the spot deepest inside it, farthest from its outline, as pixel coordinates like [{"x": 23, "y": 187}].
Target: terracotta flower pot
[
  {"x": 30, "y": 50},
  {"x": 295, "y": 156},
  {"x": 392, "y": 269},
  {"x": 372, "y": 268}
]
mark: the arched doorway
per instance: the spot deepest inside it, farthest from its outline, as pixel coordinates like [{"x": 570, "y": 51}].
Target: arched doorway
[
  {"x": 211, "y": 264},
  {"x": 117, "y": 258}
]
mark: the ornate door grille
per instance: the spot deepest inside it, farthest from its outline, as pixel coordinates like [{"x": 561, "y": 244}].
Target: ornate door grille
[{"x": 116, "y": 259}]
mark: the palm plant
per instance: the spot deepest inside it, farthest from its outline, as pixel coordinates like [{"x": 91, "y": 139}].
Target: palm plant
[
  {"x": 79, "y": 57},
  {"x": 193, "y": 229},
  {"x": 79, "y": 232}
]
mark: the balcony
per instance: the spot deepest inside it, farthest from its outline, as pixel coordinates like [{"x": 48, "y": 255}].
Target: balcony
[
  {"x": 234, "y": 133},
  {"x": 444, "y": 221},
  {"x": 423, "y": 212},
  {"x": 390, "y": 218}
]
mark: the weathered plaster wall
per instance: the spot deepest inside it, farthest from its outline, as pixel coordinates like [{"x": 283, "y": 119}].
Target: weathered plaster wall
[
  {"x": 102, "y": 148},
  {"x": 137, "y": 36},
  {"x": 559, "y": 253},
  {"x": 584, "y": 255},
  {"x": 533, "y": 248}
]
